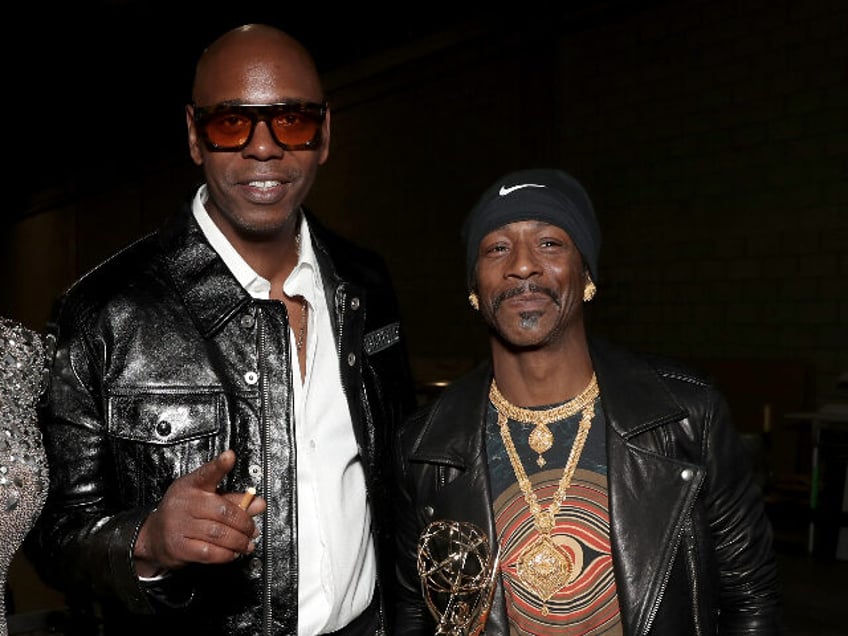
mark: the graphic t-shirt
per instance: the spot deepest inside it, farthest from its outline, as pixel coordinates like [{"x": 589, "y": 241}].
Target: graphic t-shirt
[{"x": 588, "y": 602}]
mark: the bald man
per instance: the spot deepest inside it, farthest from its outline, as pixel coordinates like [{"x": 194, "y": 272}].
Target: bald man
[{"x": 241, "y": 348}]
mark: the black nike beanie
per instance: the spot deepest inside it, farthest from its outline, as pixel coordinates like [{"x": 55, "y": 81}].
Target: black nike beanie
[{"x": 547, "y": 195}]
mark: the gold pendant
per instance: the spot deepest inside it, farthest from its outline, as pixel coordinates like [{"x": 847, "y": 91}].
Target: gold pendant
[
  {"x": 541, "y": 439},
  {"x": 544, "y": 569}
]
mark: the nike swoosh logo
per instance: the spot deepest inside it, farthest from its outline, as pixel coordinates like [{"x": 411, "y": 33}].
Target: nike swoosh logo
[{"x": 505, "y": 191}]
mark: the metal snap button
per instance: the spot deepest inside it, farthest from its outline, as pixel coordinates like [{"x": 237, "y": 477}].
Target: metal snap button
[
  {"x": 251, "y": 377},
  {"x": 163, "y": 428},
  {"x": 255, "y": 471},
  {"x": 354, "y": 303},
  {"x": 687, "y": 474},
  {"x": 351, "y": 359},
  {"x": 247, "y": 321}
]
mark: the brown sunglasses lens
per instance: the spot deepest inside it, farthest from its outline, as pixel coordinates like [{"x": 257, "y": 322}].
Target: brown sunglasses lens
[
  {"x": 293, "y": 128},
  {"x": 228, "y": 130}
]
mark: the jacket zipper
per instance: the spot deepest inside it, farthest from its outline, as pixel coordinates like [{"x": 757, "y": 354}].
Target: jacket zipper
[
  {"x": 656, "y": 606},
  {"x": 266, "y": 555},
  {"x": 694, "y": 581}
]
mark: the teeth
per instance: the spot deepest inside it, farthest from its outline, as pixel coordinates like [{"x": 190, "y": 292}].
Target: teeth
[{"x": 263, "y": 184}]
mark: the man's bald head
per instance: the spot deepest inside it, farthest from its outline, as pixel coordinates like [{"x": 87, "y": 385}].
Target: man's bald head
[{"x": 250, "y": 53}]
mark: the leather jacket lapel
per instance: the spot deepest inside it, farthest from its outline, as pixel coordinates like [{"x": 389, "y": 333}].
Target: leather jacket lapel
[
  {"x": 633, "y": 398},
  {"x": 650, "y": 498},
  {"x": 453, "y": 431},
  {"x": 650, "y": 493},
  {"x": 210, "y": 291}
]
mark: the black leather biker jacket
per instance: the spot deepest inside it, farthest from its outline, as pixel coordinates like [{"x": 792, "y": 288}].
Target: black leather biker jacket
[
  {"x": 692, "y": 547},
  {"x": 162, "y": 361}
]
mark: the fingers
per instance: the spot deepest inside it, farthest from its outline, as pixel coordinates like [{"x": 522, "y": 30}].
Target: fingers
[
  {"x": 209, "y": 541},
  {"x": 205, "y": 528},
  {"x": 194, "y": 523},
  {"x": 255, "y": 504},
  {"x": 210, "y": 553},
  {"x": 209, "y": 475}
]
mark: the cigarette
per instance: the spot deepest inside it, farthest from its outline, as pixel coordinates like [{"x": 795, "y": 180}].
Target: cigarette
[{"x": 248, "y": 496}]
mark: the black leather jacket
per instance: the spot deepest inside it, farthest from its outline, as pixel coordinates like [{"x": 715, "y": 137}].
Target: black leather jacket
[
  {"x": 163, "y": 361},
  {"x": 692, "y": 547}
]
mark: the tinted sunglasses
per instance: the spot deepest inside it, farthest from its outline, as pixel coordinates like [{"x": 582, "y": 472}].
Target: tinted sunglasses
[{"x": 229, "y": 127}]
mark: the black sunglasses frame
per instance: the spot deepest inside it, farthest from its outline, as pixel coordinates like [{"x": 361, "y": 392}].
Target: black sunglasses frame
[{"x": 261, "y": 112}]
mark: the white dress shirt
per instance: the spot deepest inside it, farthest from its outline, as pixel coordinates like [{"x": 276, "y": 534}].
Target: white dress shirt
[{"x": 336, "y": 558}]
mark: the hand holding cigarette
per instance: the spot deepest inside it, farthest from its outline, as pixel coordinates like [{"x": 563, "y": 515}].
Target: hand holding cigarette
[{"x": 167, "y": 540}]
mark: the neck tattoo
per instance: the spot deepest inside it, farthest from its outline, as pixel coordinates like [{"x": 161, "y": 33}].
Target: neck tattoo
[{"x": 543, "y": 567}]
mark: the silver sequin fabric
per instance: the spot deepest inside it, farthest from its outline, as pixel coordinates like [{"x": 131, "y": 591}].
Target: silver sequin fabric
[{"x": 23, "y": 464}]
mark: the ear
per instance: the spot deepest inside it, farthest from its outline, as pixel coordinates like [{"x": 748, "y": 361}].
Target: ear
[
  {"x": 325, "y": 140},
  {"x": 194, "y": 148}
]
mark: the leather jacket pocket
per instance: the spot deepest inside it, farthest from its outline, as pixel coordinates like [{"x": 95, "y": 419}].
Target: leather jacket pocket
[{"x": 157, "y": 436}]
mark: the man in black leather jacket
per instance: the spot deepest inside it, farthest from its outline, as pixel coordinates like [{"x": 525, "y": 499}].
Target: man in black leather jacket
[
  {"x": 242, "y": 346},
  {"x": 611, "y": 487}
]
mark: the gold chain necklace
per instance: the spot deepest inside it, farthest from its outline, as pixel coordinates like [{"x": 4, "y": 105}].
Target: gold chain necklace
[
  {"x": 304, "y": 306},
  {"x": 301, "y": 334},
  {"x": 543, "y": 567},
  {"x": 541, "y": 439}
]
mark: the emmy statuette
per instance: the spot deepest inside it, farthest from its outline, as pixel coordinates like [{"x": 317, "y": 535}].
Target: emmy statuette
[{"x": 458, "y": 573}]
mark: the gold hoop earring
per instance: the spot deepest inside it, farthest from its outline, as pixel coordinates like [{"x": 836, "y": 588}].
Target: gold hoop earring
[
  {"x": 474, "y": 301},
  {"x": 589, "y": 290}
]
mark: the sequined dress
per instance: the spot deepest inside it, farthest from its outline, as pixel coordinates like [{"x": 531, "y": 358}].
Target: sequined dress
[{"x": 23, "y": 464}]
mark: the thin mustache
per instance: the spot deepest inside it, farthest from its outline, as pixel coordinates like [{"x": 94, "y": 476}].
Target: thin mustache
[{"x": 531, "y": 288}]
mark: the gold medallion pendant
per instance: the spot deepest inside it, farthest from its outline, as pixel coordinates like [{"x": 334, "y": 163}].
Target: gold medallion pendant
[
  {"x": 543, "y": 567},
  {"x": 541, "y": 439}
]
